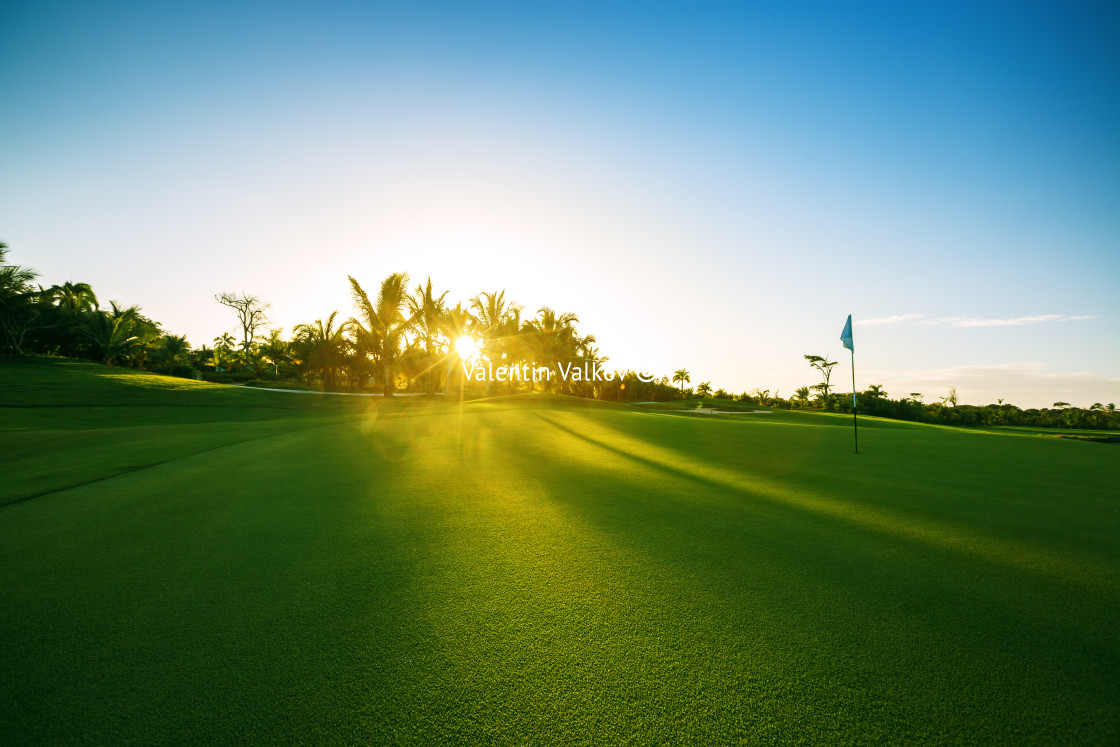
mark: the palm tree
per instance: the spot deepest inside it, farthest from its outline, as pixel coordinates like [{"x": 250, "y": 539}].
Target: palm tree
[
  {"x": 276, "y": 350},
  {"x": 681, "y": 375},
  {"x": 457, "y": 322},
  {"x": 13, "y": 278},
  {"x": 553, "y": 338},
  {"x": 950, "y": 398},
  {"x": 202, "y": 356},
  {"x": 498, "y": 322},
  {"x": 704, "y": 389},
  {"x": 114, "y": 333},
  {"x": 172, "y": 350},
  {"x": 587, "y": 354},
  {"x": 223, "y": 344},
  {"x": 74, "y": 298},
  {"x": 428, "y": 315},
  {"x": 493, "y": 313},
  {"x": 19, "y": 302},
  {"x": 379, "y": 330},
  {"x": 802, "y": 396},
  {"x": 322, "y": 347}
]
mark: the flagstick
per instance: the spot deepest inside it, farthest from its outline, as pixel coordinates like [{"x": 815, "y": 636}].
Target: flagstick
[{"x": 855, "y": 420}]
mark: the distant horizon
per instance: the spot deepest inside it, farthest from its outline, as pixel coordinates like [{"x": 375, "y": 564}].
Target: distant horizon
[
  {"x": 707, "y": 186},
  {"x": 944, "y": 378}
]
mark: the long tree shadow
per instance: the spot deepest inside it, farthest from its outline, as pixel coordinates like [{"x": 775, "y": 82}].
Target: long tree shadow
[
  {"x": 940, "y": 535},
  {"x": 940, "y": 615}
]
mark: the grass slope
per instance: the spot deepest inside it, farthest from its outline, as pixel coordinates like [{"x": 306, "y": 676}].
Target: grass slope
[{"x": 540, "y": 572}]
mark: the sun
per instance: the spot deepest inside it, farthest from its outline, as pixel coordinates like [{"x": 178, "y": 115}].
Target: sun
[{"x": 467, "y": 347}]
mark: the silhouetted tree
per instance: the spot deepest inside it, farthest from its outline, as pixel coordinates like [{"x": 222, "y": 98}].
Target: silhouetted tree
[
  {"x": 379, "y": 329},
  {"x": 824, "y": 366},
  {"x": 681, "y": 376},
  {"x": 251, "y": 314}
]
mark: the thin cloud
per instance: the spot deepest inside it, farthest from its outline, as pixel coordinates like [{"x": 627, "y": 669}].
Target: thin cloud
[
  {"x": 896, "y": 319},
  {"x": 1017, "y": 321},
  {"x": 971, "y": 321}
]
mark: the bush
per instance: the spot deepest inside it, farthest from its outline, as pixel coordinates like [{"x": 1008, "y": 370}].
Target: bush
[
  {"x": 184, "y": 372},
  {"x": 227, "y": 378}
]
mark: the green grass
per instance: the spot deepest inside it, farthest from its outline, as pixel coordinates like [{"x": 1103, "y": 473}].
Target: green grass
[
  {"x": 539, "y": 571},
  {"x": 707, "y": 402}
]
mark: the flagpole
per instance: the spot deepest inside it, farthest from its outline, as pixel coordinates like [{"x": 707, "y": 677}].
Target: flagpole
[
  {"x": 855, "y": 420},
  {"x": 849, "y": 343}
]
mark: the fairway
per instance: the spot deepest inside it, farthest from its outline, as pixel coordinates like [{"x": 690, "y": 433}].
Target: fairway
[{"x": 182, "y": 562}]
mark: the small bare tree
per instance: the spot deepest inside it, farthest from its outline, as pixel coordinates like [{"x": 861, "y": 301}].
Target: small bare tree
[{"x": 251, "y": 313}]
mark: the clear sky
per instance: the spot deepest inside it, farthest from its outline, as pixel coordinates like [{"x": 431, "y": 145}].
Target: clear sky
[{"x": 707, "y": 185}]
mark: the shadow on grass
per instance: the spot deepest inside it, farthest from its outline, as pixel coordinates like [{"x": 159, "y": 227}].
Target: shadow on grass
[
  {"x": 938, "y": 535},
  {"x": 927, "y": 630}
]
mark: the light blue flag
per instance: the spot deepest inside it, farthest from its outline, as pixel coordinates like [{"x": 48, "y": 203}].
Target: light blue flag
[{"x": 846, "y": 335}]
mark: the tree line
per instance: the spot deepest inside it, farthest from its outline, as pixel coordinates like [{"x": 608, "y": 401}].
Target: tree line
[
  {"x": 947, "y": 410},
  {"x": 413, "y": 339},
  {"x": 402, "y": 338}
]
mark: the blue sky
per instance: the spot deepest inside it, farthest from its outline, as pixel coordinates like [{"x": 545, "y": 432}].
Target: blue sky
[{"x": 708, "y": 185}]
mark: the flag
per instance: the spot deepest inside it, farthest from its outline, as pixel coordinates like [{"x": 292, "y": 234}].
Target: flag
[{"x": 846, "y": 335}]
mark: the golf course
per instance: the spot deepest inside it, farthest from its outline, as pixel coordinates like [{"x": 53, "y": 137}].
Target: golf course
[{"x": 190, "y": 562}]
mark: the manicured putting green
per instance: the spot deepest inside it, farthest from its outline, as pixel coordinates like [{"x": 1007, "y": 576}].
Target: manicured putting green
[{"x": 187, "y": 564}]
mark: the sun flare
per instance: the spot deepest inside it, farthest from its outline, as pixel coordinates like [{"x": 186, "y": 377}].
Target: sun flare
[{"x": 467, "y": 347}]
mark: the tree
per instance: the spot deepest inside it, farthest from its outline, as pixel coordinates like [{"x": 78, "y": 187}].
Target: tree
[
  {"x": 1061, "y": 405},
  {"x": 276, "y": 350},
  {"x": 223, "y": 346},
  {"x": 322, "y": 347},
  {"x": 588, "y": 354},
  {"x": 704, "y": 389},
  {"x": 20, "y": 311},
  {"x": 172, "y": 350},
  {"x": 428, "y": 313},
  {"x": 552, "y": 338},
  {"x": 379, "y": 329},
  {"x": 115, "y": 333},
  {"x": 73, "y": 298},
  {"x": 825, "y": 367},
  {"x": 495, "y": 315},
  {"x": 951, "y": 398},
  {"x": 801, "y": 396},
  {"x": 498, "y": 322},
  {"x": 251, "y": 314},
  {"x": 1072, "y": 417},
  {"x": 456, "y": 324},
  {"x": 681, "y": 376},
  {"x": 875, "y": 391}
]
